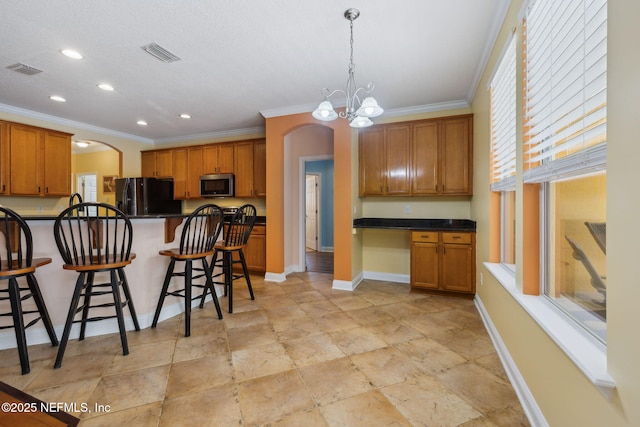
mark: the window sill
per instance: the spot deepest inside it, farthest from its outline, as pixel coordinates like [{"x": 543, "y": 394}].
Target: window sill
[{"x": 585, "y": 352}]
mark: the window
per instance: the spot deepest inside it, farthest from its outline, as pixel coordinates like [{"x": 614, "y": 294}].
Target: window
[
  {"x": 503, "y": 149},
  {"x": 564, "y": 136}
]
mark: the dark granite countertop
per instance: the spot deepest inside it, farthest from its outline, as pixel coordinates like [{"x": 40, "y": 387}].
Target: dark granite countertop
[{"x": 416, "y": 224}]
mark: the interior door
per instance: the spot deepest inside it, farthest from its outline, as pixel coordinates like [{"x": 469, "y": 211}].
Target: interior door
[
  {"x": 87, "y": 186},
  {"x": 311, "y": 212}
]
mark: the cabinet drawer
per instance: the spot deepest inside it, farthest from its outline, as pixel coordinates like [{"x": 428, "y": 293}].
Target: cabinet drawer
[
  {"x": 461, "y": 238},
  {"x": 424, "y": 236}
]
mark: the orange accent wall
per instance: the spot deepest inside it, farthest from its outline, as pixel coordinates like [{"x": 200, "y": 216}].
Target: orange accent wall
[{"x": 276, "y": 130}]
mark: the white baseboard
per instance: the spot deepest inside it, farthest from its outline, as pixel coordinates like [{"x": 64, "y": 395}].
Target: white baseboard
[
  {"x": 389, "y": 277},
  {"x": 345, "y": 285},
  {"x": 529, "y": 405},
  {"x": 275, "y": 277}
]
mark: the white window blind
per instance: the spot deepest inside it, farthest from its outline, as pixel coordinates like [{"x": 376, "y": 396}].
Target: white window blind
[
  {"x": 565, "y": 123},
  {"x": 503, "y": 121}
]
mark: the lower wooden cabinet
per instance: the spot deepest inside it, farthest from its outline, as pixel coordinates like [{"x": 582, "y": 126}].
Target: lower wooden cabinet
[
  {"x": 443, "y": 262},
  {"x": 255, "y": 254}
]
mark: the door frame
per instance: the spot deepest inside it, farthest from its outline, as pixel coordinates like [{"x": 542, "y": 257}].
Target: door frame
[
  {"x": 302, "y": 223},
  {"x": 318, "y": 193}
]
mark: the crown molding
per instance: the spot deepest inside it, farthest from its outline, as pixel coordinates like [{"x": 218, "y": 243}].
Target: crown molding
[
  {"x": 212, "y": 135},
  {"x": 72, "y": 123}
]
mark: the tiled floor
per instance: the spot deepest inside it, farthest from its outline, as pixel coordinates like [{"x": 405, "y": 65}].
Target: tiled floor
[{"x": 301, "y": 354}]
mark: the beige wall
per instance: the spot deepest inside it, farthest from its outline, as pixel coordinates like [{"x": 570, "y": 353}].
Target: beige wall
[
  {"x": 563, "y": 393},
  {"x": 101, "y": 163}
]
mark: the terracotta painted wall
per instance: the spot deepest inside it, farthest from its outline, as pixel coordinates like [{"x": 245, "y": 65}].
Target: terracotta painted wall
[{"x": 277, "y": 128}]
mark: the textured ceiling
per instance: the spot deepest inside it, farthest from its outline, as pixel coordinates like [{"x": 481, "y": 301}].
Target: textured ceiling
[{"x": 240, "y": 59}]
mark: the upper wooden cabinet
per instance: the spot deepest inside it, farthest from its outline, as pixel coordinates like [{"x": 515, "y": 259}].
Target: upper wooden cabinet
[
  {"x": 157, "y": 164},
  {"x": 217, "y": 158},
  {"x": 40, "y": 161},
  {"x": 384, "y": 161},
  {"x": 187, "y": 168},
  {"x": 419, "y": 158},
  {"x": 250, "y": 168},
  {"x": 4, "y": 158}
]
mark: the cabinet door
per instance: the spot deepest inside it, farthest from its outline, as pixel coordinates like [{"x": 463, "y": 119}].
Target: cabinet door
[
  {"x": 455, "y": 156},
  {"x": 26, "y": 160},
  {"x": 225, "y": 158},
  {"x": 148, "y": 164},
  {"x": 424, "y": 166},
  {"x": 4, "y": 157},
  {"x": 179, "y": 173},
  {"x": 210, "y": 159},
  {"x": 372, "y": 162},
  {"x": 255, "y": 253},
  {"x": 194, "y": 171},
  {"x": 243, "y": 169},
  {"x": 57, "y": 164},
  {"x": 397, "y": 152},
  {"x": 260, "y": 168},
  {"x": 424, "y": 265},
  {"x": 164, "y": 164},
  {"x": 457, "y": 268}
]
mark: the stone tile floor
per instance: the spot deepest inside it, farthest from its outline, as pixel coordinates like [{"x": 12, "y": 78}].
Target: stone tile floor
[{"x": 301, "y": 354}]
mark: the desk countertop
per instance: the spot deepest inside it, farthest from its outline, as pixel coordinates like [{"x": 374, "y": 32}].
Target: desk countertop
[{"x": 416, "y": 224}]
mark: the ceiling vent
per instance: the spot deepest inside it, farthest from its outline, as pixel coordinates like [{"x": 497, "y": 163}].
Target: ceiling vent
[
  {"x": 24, "y": 69},
  {"x": 159, "y": 52}
]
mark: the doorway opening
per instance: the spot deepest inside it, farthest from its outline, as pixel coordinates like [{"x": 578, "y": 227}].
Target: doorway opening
[
  {"x": 318, "y": 216},
  {"x": 87, "y": 187}
]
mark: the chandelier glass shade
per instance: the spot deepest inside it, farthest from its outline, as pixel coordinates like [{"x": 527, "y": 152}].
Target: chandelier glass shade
[{"x": 356, "y": 111}]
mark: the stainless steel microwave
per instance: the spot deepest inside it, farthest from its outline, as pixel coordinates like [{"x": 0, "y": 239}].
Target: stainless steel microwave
[{"x": 218, "y": 185}]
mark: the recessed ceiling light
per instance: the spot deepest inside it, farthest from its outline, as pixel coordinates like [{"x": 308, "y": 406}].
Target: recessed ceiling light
[
  {"x": 57, "y": 98},
  {"x": 71, "y": 53},
  {"x": 82, "y": 144},
  {"x": 185, "y": 116},
  {"x": 142, "y": 122},
  {"x": 106, "y": 86}
]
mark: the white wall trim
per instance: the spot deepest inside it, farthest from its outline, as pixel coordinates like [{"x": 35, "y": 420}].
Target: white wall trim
[
  {"x": 345, "y": 285},
  {"x": 529, "y": 404},
  {"x": 389, "y": 277}
]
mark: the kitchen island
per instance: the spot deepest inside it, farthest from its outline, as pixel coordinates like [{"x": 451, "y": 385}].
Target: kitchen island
[{"x": 145, "y": 275}]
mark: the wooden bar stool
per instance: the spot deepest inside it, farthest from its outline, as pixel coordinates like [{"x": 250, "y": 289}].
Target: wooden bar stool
[
  {"x": 199, "y": 234},
  {"x": 16, "y": 261},
  {"x": 94, "y": 238},
  {"x": 235, "y": 240}
]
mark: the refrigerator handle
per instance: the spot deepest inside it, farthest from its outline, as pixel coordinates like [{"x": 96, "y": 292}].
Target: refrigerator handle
[{"x": 125, "y": 197}]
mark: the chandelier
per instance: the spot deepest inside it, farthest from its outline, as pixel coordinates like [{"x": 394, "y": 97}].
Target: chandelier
[{"x": 358, "y": 112}]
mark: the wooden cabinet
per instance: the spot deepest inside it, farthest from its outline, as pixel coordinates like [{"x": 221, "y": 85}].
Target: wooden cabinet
[
  {"x": 443, "y": 262},
  {"x": 40, "y": 161},
  {"x": 384, "y": 161},
  {"x": 4, "y": 158},
  {"x": 250, "y": 168},
  {"x": 419, "y": 158},
  {"x": 255, "y": 254},
  {"x": 157, "y": 163},
  {"x": 187, "y": 168},
  {"x": 217, "y": 158}
]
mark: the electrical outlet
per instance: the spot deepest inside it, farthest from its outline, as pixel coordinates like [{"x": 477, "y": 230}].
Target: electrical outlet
[{"x": 407, "y": 209}]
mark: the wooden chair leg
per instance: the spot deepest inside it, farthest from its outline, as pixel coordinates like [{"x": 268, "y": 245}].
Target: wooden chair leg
[
  {"x": 87, "y": 301},
  {"x": 209, "y": 286},
  {"x": 187, "y": 297},
  {"x": 42, "y": 308},
  {"x": 129, "y": 301},
  {"x": 246, "y": 273},
  {"x": 163, "y": 293},
  {"x": 115, "y": 289},
  {"x": 70, "y": 316},
  {"x": 18, "y": 324}
]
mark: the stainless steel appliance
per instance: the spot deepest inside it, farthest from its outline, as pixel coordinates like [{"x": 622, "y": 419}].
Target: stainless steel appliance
[
  {"x": 220, "y": 185},
  {"x": 146, "y": 196}
]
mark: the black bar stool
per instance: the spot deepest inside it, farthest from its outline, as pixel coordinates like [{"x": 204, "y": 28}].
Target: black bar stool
[
  {"x": 199, "y": 234},
  {"x": 94, "y": 238},
  {"x": 235, "y": 240},
  {"x": 16, "y": 261}
]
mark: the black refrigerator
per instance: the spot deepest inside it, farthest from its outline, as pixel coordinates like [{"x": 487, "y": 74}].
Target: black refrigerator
[{"x": 146, "y": 196}]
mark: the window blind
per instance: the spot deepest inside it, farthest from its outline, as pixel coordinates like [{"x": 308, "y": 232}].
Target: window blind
[
  {"x": 503, "y": 121},
  {"x": 565, "y": 120}
]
